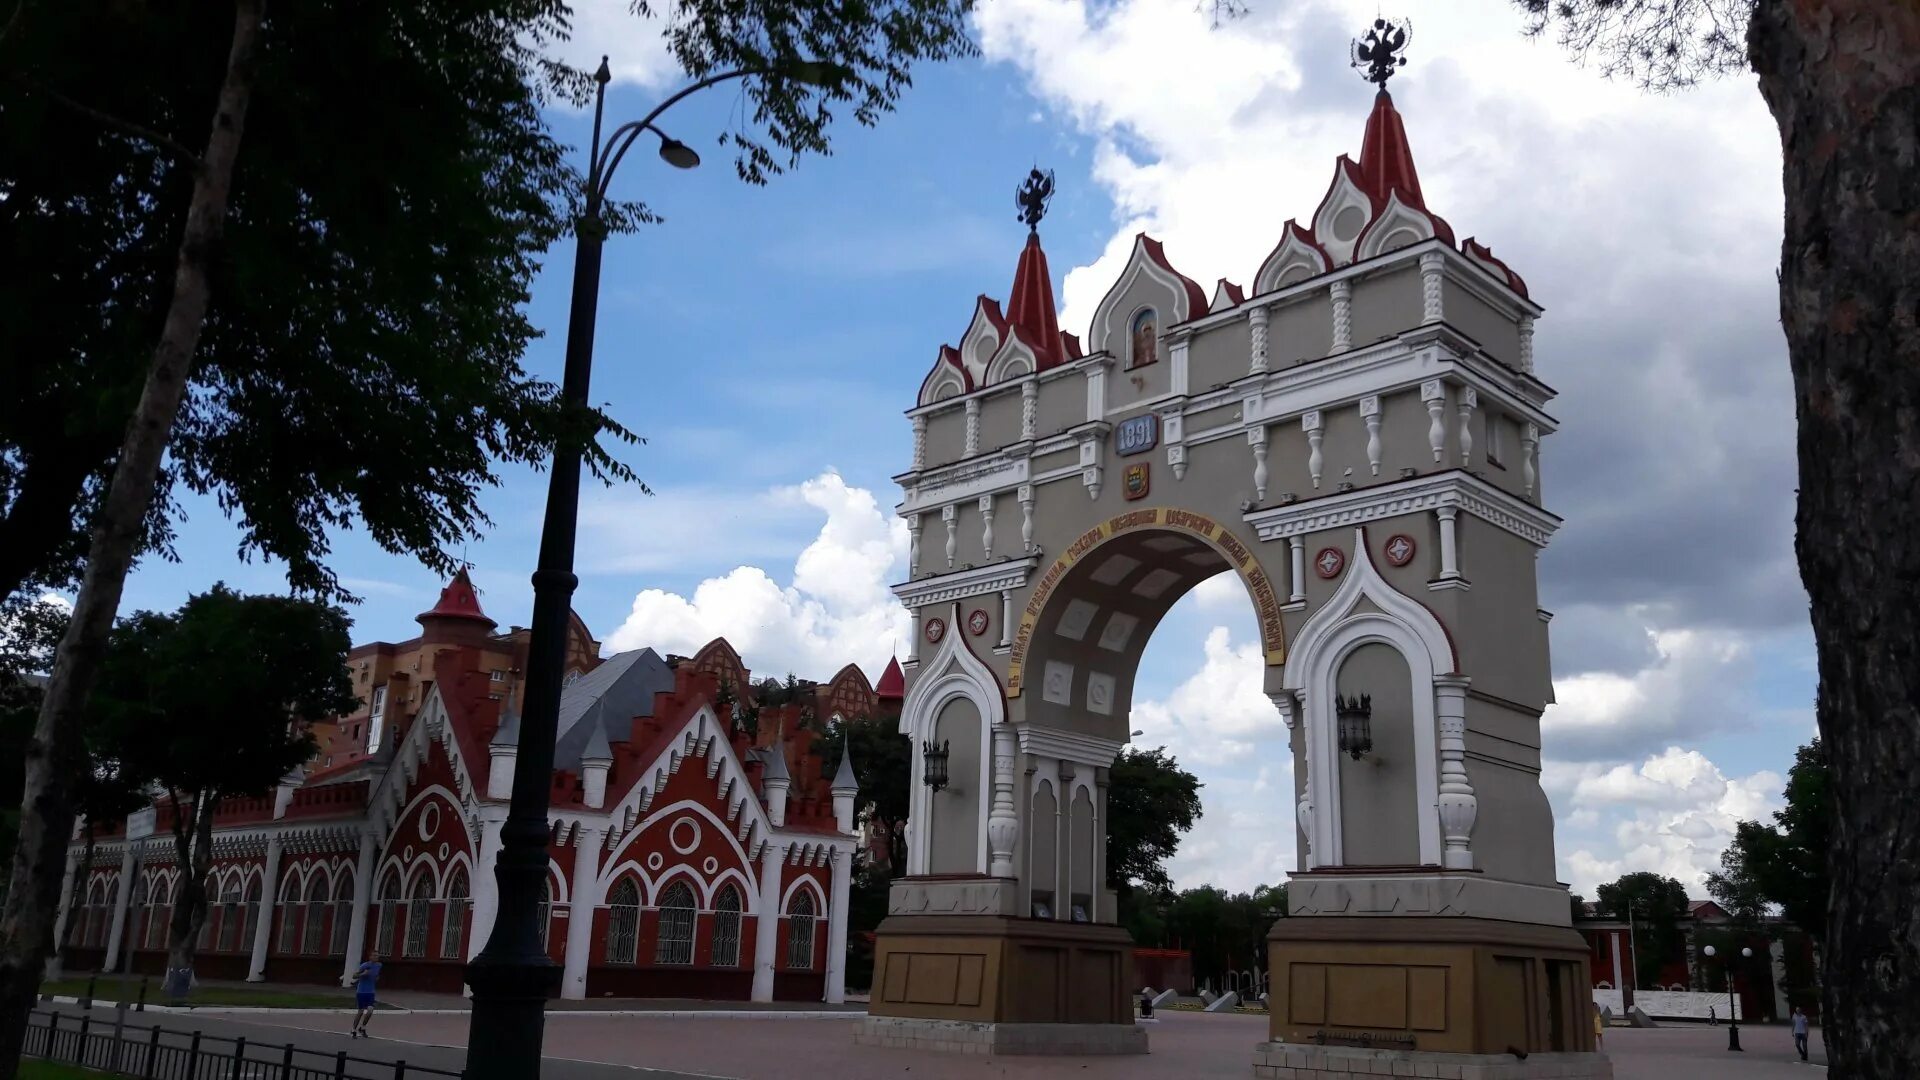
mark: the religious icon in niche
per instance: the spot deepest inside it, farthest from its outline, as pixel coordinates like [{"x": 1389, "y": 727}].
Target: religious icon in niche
[{"x": 1146, "y": 328}]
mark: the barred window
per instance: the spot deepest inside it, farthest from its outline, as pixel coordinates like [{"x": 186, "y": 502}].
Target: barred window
[
  {"x": 417, "y": 908},
  {"x": 389, "y": 904},
  {"x": 677, "y": 914},
  {"x": 726, "y": 928},
  {"x": 800, "y": 922},
  {"x": 342, "y": 913},
  {"x": 455, "y": 930},
  {"x": 289, "y": 916},
  {"x": 316, "y": 909},
  {"x": 623, "y": 922}
]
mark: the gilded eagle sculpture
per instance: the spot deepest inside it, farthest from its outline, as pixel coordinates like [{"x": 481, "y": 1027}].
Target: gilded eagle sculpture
[
  {"x": 1381, "y": 51},
  {"x": 1033, "y": 196}
]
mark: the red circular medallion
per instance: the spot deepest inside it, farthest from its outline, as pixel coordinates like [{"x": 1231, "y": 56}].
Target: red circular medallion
[
  {"x": 936, "y": 629},
  {"x": 1329, "y": 562},
  {"x": 977, "y": 622},
  {"x": 1399, "y": 549}
]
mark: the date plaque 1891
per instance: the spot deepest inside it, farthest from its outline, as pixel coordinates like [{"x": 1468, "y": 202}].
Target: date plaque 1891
[{"x": 1137, "y": 434}]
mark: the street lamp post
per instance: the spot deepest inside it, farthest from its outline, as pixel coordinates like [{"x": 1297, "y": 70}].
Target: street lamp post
[
  {"x": 1733, "y": 1005},
  {"x": 513, "y": 976}
]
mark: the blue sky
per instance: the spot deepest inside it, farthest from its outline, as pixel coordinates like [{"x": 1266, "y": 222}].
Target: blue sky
[{"x": 765, "y": 340}]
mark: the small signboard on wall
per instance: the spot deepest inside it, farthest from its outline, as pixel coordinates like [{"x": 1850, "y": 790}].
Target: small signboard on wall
[{"x": 1137, "y": 434}]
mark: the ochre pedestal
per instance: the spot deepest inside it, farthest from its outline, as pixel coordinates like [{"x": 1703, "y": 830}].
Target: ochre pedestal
[
  {"x": 1000, "y": 984},
  {"x": 1420, "y": 985}
]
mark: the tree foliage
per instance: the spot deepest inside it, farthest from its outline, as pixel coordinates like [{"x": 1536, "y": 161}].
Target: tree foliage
[
  {"x": 1655, "y": 904},
  {"x": 883, "y": 765},
  {"x": 1151, "y": 801},
  {"x": 1659, "y": 46},
  {"x": 1226, "y": 933},
  {"x": 1784, "y": 864}
]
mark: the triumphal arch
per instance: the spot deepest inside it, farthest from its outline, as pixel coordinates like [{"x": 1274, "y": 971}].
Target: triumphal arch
[{"x": 1355, "y": 435}]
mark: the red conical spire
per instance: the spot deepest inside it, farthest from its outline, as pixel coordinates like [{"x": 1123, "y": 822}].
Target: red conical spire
[
  {"x": 893, "y": 682},
  {"x": 458, "y": 600},
  {"x": 1386, "y": 159},
  {"x": 1030, "y": 305}
]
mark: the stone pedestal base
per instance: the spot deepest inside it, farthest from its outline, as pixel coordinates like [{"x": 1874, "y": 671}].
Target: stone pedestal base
[
  {"x": 1442, "y": 984},
  {"x": 996, "y": 969},
  {"x": 1290, "y": 1061},
  {"x": 964, "y": 1037}
]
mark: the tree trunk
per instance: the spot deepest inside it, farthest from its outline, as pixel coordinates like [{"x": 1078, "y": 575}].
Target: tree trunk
[
  {"x": 55, "y": 751},
  {"x": 1842, "y": 78},
  {"x": 193, "y": 847}
]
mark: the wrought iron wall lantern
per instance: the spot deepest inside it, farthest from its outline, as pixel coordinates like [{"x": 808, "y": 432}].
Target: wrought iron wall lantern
[
  {"x": 935, "y": 773},
  {"x": 1356, "y": 725}
]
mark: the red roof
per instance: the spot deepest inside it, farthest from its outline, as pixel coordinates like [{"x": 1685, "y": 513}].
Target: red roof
[
  {"x": 1386, "y": 159},
  {"x": 893, "y": 682},
  {"x": 1196, "y": 298},
  {"x": 1030, "y": 304},
  {"x": 458, "y": 600}
]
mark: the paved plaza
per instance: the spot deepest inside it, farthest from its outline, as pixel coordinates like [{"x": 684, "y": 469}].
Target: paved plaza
[{"x": 606, "y": 1045}]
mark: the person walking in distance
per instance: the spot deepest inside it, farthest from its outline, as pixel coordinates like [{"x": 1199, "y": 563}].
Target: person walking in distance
[
  {"x": 1800, "y": 1031},
  {"x": 1599, "y": 1028},
  {"x": 365, "y": 980}
]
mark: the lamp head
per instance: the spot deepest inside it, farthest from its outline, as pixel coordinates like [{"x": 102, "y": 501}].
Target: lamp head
[
  {"x": 1708, "y": 950},
  {"x": 677, "y": 154},
  {"x": 1747, "y": 953}
]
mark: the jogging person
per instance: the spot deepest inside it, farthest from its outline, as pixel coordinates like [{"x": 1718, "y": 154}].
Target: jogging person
[{"x": 364, "y": 982}]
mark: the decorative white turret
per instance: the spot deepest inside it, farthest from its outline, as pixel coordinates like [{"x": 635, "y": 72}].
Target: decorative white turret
[
  {"x": 845, "y": 787},
  {"x": 503, "y": 752},
  {"x": 774, "y": 784},
  {"x": 595, "y": 760}
]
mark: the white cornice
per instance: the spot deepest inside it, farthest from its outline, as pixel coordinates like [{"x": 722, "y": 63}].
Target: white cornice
[
  {"x": 1454, "y": 488},
  {"x": 1068, "y": 745},
  {"x": 940, "y": 588}
]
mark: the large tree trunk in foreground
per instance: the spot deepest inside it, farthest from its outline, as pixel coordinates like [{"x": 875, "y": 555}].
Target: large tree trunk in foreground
[
  {"x": 55, "y": 751},
  {"x": 1843, "y": 80},
  {"x": 193, "y": 848}
]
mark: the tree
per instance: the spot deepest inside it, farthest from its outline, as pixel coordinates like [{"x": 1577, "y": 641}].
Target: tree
[
  {"x": 1655, "y": 904},
  {"x": 362, "y": 320},
  {"x": 1151, "y": 800},
  {"x": 1784, "y": 864},
  {"x": 215, "y": 700},
  {"x": 1839, "y": 78},
  {"x": 883, "y": 764}
]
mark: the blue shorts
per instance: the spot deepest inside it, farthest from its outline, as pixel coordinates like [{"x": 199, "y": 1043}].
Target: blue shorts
[{"x": 363, "y": 999}]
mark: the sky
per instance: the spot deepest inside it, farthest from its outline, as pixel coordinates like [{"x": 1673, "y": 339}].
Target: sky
[{"x": 765, "y": 341}]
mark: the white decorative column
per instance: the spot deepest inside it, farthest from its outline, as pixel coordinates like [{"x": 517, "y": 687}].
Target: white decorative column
[
  {"x": 1006, "y": 618},
  {"x": 63, "y": 912},
  {"x": 1090, "y": 468},
  {"x": 1469, "y": 400},
  {"x": 1435, "y": 397},
  {"x": 1458, "y": 807},
  {"x": 362, "y": 892},
  {"x": 919, "y": 443},
  {"x": 1029, "y": 407},
  {"x": 950, "y": 514},
  {"x": 1062, "y": 838},
  {"x": 986, "y": 525},
  {"x": 1257, "y": 331},
  {"x": 1526, "y": 344},
  {"x": 1449, "y": 546},
  {"x": 1096, "y": 391},
  {"x": 1529, "y": 446},
  {"x": 1097, "y": 836},
  {"x": 486, "y": 890},
  {"x": 1257, "y": 438},
  {"x": 263, "y": 921},
  {"x": 913, "y": 635},
  {"x": 913, "y": 544},
  {"x": 1296, "y": 569},
  {"x": 1370, "y": 413},
  {"x": 973, "y": 426},
  {"x": 766, "y": 929},
  {"x": 117, "y": 928},
  {"x": 1025, "y": 495},
  {"x": 842, "y": 867},
  {"x": 1433, "y": 306},
  {"x": 1315, "y": 426},
  {"x": 1173, "y": 433},
  {"x": 581, "y": 902},
  {"x": 1342, "y": 293},
  {"x": 1003, "y": 826}
]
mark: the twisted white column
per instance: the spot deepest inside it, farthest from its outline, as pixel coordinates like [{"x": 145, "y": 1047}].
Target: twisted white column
[{"x": 1458, "y": 807}]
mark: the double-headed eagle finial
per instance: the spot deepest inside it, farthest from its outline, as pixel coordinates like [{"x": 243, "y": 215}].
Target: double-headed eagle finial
[
  {"x": 1033, "y": 196},
  {"x": 1380, "y": 51}
]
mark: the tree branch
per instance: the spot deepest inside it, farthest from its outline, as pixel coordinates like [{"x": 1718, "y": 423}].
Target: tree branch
[{"x": 112, "y": 122}]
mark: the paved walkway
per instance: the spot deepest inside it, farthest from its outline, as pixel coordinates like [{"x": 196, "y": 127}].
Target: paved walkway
[{"x": 604, "y": 1046}]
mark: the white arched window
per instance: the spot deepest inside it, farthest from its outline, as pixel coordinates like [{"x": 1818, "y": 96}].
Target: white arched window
[
  {"x": 252, "y": 924},
  {"x": 800, "y": 921},
  {"x": 342, "y": 913},
  {"x": 677, "y": 914},
  {"x": 455, "y": 930},
  {"x": 623, "y": 922},
  {"x": 289, "y": 916},
  {"x": 389, "y": 912},
  {"x": 417, "y": 908},
  {"x": 726, "y": 928},
  {"x": 316, "y": 909}
]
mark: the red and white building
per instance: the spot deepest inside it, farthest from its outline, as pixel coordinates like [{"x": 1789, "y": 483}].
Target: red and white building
[{"x": 689, "y": 856}]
